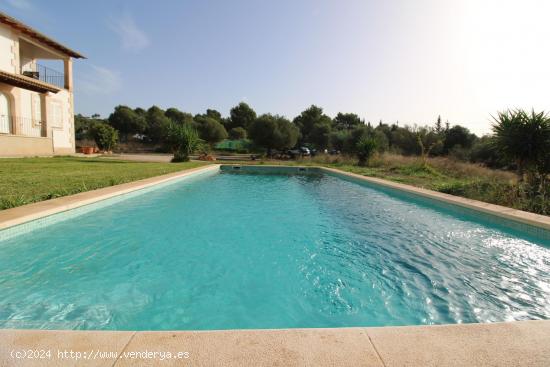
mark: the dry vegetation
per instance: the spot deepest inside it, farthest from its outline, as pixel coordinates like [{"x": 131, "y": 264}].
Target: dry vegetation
[{"x": 440, "y": 174}]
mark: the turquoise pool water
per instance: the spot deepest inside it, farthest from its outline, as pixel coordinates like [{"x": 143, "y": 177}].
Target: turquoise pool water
[{"x": 270, "y": 251}]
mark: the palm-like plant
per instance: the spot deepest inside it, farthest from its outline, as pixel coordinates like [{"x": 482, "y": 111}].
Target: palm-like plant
[
  {"x": 525, "y": 138},
  {"x": 522, "y": 137},
  {"x": 184, "y": 140}
]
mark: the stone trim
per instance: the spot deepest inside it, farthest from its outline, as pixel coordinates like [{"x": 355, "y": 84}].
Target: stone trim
[{"x": 520, "y": 343}]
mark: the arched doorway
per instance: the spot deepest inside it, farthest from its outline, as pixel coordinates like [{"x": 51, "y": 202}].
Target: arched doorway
[{"x": 5, "y": 120}]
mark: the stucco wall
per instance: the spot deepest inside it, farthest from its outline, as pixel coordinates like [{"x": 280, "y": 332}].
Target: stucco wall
[
  {"x": 7, "y": 46},
  {"x": 15, "y": 146}
]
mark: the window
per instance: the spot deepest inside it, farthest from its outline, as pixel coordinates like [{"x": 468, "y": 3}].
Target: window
[
  {"x": 36, "y": 109},
  {"x": 56, "y": 114}
]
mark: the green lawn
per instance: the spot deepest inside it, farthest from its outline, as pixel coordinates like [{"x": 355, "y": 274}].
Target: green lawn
[{"x": 28, "y": 180}]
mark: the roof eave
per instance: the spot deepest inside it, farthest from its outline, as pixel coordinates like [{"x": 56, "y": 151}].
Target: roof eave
[{"x": 31, "y": 32}]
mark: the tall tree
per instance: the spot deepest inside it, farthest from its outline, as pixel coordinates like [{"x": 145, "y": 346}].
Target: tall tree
[
  {"x": 241, "y": 115},
  {"x": 273, "y": 132},
  {"x": 308, "y": 119},
  {"x": 179, "y": 117},
  {"x": 457, "y": 136},
  {"x": 438, "y": 126},
  {"x": 158, "y": 125},
  {"x": 320, "y": 135},
  {"x": 127, "y": 121},
  {"x": 213, "y": 114},
  {"x": 346, "y": 121}
]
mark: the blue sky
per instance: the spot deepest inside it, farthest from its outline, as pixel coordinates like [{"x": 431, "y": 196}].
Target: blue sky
[{"x": 405, "y": 60}]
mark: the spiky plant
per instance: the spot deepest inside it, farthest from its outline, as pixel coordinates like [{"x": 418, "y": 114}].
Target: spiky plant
[
  {"x": 522, "y": 137},
  {"x": 184, "y": 141}
]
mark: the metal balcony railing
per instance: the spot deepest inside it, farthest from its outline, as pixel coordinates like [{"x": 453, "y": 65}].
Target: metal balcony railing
[
  {"x": 18, "y": 125},
  {"x": 45, "y": 74}
]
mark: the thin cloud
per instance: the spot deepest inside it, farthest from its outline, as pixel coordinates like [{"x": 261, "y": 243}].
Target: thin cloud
[
  {"x": 131, "y": 36},
  {"x": 99, "y": 80},
  {"x": 20, "y": 4}
]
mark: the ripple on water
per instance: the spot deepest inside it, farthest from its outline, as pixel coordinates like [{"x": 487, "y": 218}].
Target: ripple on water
[{"x": 270, "y": 251}]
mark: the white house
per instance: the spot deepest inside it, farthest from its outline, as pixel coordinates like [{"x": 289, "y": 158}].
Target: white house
[{"x": 36, "y": 101}]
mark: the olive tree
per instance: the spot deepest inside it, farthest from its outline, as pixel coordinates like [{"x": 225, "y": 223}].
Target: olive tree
[
  {"x": 127, "y": 121},
  {"x": 210, "y": 130},
  {"x": 273, "y": 132}
]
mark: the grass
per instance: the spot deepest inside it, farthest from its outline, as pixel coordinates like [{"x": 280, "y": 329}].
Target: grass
[{"x": 28, "y": 180}]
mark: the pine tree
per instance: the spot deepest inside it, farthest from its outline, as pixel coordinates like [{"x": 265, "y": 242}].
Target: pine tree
[{"x": 438, "y": 125}]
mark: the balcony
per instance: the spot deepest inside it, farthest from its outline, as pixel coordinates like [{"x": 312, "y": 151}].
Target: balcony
[{"x": 44, "y": 74}]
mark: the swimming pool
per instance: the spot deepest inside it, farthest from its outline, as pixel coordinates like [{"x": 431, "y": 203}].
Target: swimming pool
[{"x": 228, "y": 250}]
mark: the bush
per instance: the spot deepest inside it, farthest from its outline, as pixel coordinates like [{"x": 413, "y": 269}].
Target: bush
[
  {"x": 237, "y": 133},
  {"x": 210, "y": 130},
  {"x": 105, "y": 136},
  {"x": 484, "y": 151},
  {"x": 459, "y": 153},
  {"x": 338, "y": 139},
  {"x": 365, "y": 150}
]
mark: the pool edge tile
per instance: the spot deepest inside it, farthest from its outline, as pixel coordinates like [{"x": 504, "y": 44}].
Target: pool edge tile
[
  {"x": 498, "y": 344},
  {"x": 519, "y": 343},
  {"x": 284, "y": 347},
  {"x": 13, "y": 341}
]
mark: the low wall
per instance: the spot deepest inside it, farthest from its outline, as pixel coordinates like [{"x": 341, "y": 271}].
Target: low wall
[{"x": 20, "y": 146}]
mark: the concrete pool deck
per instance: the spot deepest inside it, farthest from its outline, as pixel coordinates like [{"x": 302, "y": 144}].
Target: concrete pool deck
[
  {"x": 520, "y": 343},
  {"x": 525, "y": 343}
]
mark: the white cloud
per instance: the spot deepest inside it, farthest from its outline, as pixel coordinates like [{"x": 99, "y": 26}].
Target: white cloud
[
  {"x": 20, "y": 4},
  {"x": 131, "y": 36},
  {"x": 98, "y": 80}
]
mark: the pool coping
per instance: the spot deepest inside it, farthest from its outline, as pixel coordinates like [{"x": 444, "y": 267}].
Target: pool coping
[{"x": 518, "y": 343}]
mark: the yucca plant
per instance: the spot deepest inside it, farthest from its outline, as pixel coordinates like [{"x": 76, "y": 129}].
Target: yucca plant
[
  {"x": 524, "y": 137},
  {"x": 184, "y": 140}
]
